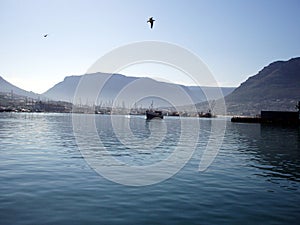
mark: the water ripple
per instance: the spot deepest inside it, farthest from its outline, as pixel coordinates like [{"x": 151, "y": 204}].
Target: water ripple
[{"x": 44, "y": 179}]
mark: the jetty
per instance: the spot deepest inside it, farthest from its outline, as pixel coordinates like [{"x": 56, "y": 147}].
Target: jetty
[{"x": 271, "y": 117}]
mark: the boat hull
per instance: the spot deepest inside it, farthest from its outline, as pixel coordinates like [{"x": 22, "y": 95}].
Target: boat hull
[{"x": 154, "y": 115}]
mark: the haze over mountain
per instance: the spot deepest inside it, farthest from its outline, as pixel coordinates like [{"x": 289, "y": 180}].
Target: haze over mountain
[
  {"x": 6, "y": 87},
  {"x": 275, "y": 87},
  {"x": 125, "y": 89}
]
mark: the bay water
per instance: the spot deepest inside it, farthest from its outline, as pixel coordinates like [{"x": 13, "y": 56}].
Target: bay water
[{"x": 45, "y": 178}]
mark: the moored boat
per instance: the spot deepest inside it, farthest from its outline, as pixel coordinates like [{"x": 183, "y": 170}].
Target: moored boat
[
  {"x": 154, "y": 114},
  {"x": 206, "y": 115}
]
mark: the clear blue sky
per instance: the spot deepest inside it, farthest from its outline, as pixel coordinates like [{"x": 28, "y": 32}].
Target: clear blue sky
[{"x": 234, "y": 38}]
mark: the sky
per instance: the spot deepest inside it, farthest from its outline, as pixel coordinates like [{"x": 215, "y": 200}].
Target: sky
[{"x": 234, "y": 38}]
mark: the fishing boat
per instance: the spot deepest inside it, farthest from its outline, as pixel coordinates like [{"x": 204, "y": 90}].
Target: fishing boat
[
  {"x": 206, "y": 115},
  {"x": 209, "y": 113},
  {"x": 153, "y": 114}
]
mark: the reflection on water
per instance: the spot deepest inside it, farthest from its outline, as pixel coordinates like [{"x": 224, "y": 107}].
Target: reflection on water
[
  {"x": 273, "y": 150},
  {"x": 44, "y": 179},
  {"x": 279, "y": 149}
]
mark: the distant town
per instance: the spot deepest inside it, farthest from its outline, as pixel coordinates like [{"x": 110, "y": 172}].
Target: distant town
[
  {"x": 274, "y": 88},
  {"x": 10, "y": 102}
]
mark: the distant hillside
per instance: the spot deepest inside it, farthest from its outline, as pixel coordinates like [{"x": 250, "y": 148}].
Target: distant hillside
[
  {"x": 6, "y": 87},
  {"x": 275, "y": 87},
  {"x": 65, "y": 90}
]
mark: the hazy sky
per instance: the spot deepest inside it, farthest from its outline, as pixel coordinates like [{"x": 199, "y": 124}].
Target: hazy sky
[{"x": 234, "y": 38}]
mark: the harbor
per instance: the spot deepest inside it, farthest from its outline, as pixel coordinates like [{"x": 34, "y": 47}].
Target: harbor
[{"x": 272, "y": 117}]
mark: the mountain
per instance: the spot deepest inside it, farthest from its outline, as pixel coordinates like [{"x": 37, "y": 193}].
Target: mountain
[
  {"x": 275, "y": 87},
  {"x": 127, "y": 90},
  {"x": 6, "y": 87}
]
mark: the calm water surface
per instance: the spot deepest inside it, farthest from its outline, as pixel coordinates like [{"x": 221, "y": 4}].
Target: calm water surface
[{"x": 255, "y": 178}]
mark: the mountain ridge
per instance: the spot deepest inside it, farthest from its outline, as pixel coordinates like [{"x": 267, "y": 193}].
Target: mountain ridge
[
  {"x": 275, "y": 87},
  {"x": 114, "y": 84},
  {"x": 7, "y": 87}
]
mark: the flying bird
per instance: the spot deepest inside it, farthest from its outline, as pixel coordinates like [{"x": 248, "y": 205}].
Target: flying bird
[
  {"x": 151, "y": 21},
  {"x": 45, "y": 35}
]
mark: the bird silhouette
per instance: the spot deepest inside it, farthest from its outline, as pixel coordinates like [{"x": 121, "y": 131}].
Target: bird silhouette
[
  {"x": 151, "y": 21},
  {"x": 45, "y": 35}
]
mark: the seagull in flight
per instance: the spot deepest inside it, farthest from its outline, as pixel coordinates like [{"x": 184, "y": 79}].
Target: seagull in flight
[
  {"x": 151, "y": 21},
  {"x": 45, "y": 35}
]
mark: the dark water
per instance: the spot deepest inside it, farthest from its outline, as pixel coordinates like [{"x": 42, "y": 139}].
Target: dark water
[{"x": 255, "y": 178}]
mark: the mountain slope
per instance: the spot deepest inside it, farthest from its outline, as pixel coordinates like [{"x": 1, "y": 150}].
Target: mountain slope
[
  {"x": 117, "y": 83},
  {"x": 6, "y": 87},
  {"x": 275, "y": 87}
]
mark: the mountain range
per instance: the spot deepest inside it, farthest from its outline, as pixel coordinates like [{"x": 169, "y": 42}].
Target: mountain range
[
  {"x": 275, "y": 87},
  {"x": 126, "y": 89}
]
